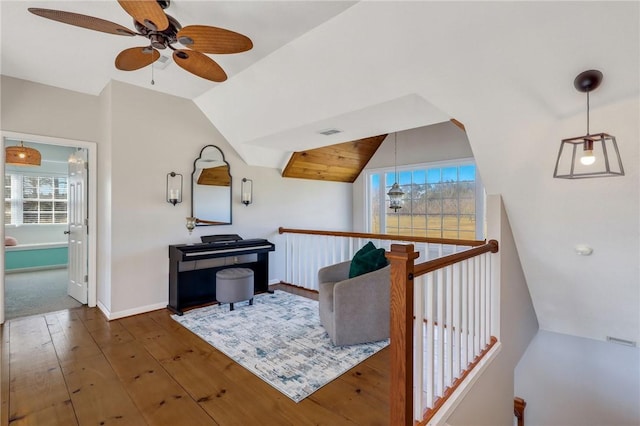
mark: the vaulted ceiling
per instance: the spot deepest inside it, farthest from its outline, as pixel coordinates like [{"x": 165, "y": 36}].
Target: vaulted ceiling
[{"x": 504, "y": 69}]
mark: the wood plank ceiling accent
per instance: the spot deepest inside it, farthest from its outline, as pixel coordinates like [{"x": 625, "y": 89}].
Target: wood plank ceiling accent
[
  {"x": 342, "y": 162},
  {"x": 216, "y": 176},
  {"x": 459, "y": 124}
]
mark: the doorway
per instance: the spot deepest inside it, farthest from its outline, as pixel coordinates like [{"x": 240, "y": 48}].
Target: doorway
[{"x": 47, "y": 273}]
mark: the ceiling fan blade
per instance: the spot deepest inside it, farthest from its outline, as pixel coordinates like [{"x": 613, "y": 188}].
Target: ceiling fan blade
[
  {"x": 199, "y": 64},
  {"x": 213, "y": 40},
  {"x": 136, "y": 57},
  {"x": 147, "y": 12},
  {"x": 83, "y": 21}
]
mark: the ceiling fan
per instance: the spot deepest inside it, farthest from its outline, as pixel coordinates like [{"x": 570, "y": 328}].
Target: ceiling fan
[{"x": 163, "y": 31}]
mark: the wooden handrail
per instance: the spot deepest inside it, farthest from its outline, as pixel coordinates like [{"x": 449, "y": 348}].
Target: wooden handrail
[
  {"x": 519, "y": 405},
  {"x": 441, "y": 262},
  {"x": 409, "y": 238}
]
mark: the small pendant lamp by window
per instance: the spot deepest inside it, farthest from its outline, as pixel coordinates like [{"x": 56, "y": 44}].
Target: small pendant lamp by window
[
  {"x": 600, "y": 156},
  {"x": 395, "y": 193},
  {"x": 22, "y": 156}
]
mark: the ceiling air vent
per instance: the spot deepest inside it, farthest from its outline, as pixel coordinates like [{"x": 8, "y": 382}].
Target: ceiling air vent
[
  {"x": 621, "y": 341},
  {"x": 328, "y": 132}
]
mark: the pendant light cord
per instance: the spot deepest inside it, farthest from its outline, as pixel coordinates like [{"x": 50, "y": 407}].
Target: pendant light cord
[
  {"x": 587, "y": 113},
  {"x": 395, "y": 155}
]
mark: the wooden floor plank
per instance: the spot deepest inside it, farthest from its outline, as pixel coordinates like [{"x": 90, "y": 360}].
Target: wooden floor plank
[
  {"x": 161, "y": 400},
  {"x": 70, "y": 338},
  {"x": 98, "y": 396},
  {"x": 76, "y": 367},
  {"x": 314, "y": 412},
  {"x": 55, "y": 415},
  {"x": 37, "y": 390},
  {"x": 228, "y": 385}
]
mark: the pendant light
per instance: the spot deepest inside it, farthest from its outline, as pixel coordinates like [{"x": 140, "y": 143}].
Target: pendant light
[
  {"x": 597, "y": 149},
  {"x": 395, "y": 193},
  {"x": 22, "y": 155}
]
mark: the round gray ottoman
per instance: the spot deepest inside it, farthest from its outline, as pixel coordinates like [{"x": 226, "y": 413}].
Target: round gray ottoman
[{"x": 234, "y": 285}]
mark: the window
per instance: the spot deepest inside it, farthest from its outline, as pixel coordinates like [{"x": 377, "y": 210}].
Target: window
[
  {"x": 441, "y": 200},
  {"x": 32, "y": 199}
]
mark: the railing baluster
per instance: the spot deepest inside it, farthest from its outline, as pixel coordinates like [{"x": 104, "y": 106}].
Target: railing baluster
[
  {"x": 472, "y": 311},
  {"x": 430, "y": 290},
  {"x": 418, "y": 357},
  {"x": 464, "y": 343},
  {"x": 457, "y": 314},
  {"x": 449, "y": 326},
  {"x": 487, "y": 296},
  {"x": 476, "y": 280},
  {"x": 483, "y": 305},
  {"x": 440, "y": 331}
]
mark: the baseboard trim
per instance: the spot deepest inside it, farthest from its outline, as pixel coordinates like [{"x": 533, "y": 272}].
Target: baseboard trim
[{"x": 129, "y": 312}]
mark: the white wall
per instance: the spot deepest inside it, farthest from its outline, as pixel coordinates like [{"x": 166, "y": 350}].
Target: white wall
[
  {"x": 438, "y": 142},
  {"x": 141, "y": 136},
  {"x": 574, "y": 381},
  {"x": 153, "y": 134},
  {"x": 490, "y": 400},
  {"x": 38, "y": 109}
]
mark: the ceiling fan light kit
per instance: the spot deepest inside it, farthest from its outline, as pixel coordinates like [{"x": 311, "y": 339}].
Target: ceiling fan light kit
[{"x": 162, "y": 31}]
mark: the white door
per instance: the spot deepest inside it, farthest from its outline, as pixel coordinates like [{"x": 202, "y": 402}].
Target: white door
[{"x": 78, "y": 254}]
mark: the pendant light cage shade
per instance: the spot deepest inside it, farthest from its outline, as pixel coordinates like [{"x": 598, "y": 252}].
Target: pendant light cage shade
[
  {"x": 601, "y": 147},
  {"x": 591, "y": 155},
  {"x": 22, "y": 156}
]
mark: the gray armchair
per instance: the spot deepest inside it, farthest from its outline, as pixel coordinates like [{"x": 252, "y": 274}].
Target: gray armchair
[{"x": 354, "y": 310}]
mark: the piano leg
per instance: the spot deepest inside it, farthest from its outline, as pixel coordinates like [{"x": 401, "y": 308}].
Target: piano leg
[{"x": 174, "y": 310}]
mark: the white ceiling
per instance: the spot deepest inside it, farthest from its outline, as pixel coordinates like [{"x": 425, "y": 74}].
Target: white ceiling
[
  {"x": 82, "y": 60},
  {"x": 504, "y": 69}
]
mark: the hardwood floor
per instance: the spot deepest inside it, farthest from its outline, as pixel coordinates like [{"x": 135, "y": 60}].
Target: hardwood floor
[{"x": 75, "y": 368}]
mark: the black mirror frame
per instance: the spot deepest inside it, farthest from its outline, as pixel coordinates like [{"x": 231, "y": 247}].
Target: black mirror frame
[{"x": 203, "y": 221}]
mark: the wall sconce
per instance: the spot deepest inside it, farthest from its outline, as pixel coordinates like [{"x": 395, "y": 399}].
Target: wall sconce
[
  {"x": 595, "y": 160},
  {"x": 174, "y": 188},
  {"x": 247, "y": 191},
  {"x": 22, "y": 155}
]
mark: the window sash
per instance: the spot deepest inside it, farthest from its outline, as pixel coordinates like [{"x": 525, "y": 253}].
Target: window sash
[
  {"x": 36, "y": 199},
  {"x": 433, "y": 205}
]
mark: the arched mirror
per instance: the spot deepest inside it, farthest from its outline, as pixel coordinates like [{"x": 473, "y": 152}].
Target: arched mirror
[{"x": 211, "y": 188}]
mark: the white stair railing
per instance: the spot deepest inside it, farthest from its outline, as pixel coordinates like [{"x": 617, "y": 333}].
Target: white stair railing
[
  {"x": 441, "y": 326},
  {"x": 306, "y": 251},
  {"x": 452, "y": 307}
]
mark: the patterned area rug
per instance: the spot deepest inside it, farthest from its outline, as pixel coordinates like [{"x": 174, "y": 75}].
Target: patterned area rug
[{"x": 280, "y": 340}]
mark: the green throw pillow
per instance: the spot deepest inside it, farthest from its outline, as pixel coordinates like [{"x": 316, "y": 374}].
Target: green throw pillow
[{"x": 368, "y": 261}]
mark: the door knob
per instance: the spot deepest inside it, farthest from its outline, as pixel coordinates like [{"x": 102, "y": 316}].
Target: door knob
[{"x": 67, "y": 232}]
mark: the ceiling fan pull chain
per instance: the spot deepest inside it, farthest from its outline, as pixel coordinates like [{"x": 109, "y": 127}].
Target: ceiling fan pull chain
[{"x": 152, "y": 82}]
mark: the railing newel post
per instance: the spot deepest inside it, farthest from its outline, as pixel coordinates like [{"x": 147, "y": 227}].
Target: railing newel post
[{"x": 402, "y": 259}]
